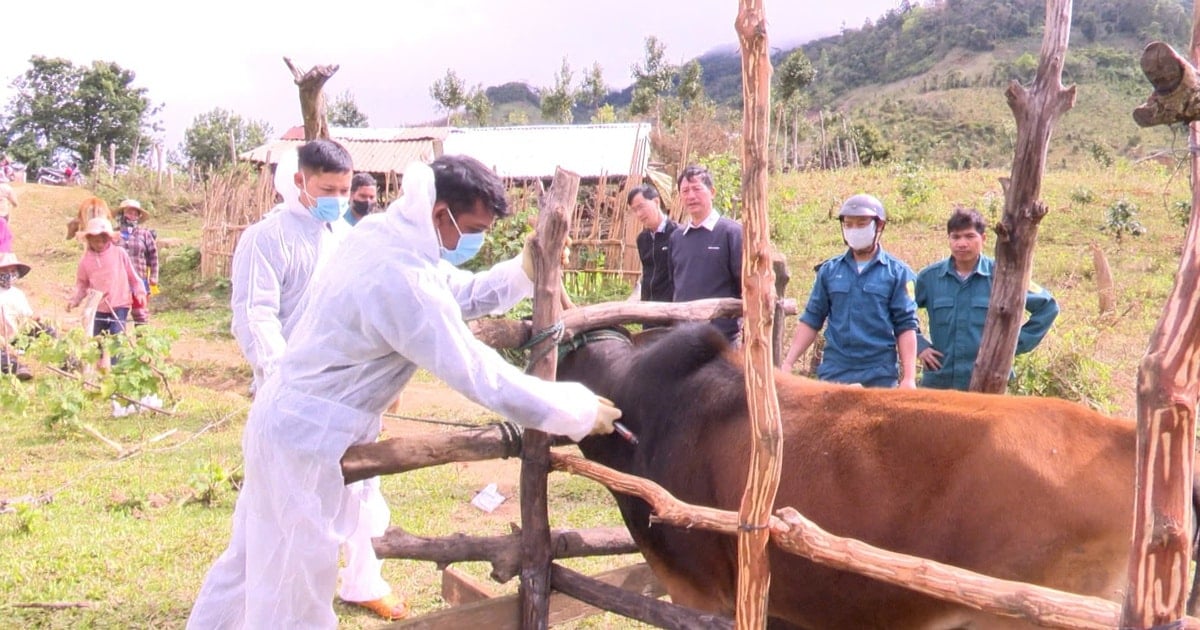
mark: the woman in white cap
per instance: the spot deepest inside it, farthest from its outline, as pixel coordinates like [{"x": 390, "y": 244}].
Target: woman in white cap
[
  {"x": 107, "y": 269},
  {"x": 142, "y": 246}
]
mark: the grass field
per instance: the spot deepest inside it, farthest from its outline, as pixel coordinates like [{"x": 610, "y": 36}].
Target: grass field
[{"x": 129, "y": 540}]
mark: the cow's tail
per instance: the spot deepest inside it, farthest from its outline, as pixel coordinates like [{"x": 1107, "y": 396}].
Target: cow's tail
[{"x": 1194, "y": 595}]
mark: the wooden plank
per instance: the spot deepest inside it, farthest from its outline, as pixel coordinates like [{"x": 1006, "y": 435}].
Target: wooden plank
[
  {"x": 459, "y": 588},
  {"x": 504, "y": 613}
]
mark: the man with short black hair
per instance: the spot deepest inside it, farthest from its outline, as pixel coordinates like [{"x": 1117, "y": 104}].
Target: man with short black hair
[
  {"x": 956, "y": 292},
  {"x": 363, "y": 192},
  {"x": 652, "y": 244},
  {"x": 706, "y": 252},
  {"x": 395, "y": 302}
]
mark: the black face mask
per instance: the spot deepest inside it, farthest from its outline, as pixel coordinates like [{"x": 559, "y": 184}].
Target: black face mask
[{"x": 361, "y": 208}]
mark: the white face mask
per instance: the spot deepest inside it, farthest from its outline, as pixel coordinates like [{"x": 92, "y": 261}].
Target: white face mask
[{"x": 859, "y": 238}]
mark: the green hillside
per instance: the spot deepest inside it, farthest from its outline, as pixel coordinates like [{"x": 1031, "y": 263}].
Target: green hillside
[{"x": 927, "y": 80}]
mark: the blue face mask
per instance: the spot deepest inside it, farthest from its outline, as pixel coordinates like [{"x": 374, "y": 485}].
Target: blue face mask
[
  {"x": 468, "y": 245},
  {"x": 330, "y": 209},
  {"x": 327, "y": 209}
]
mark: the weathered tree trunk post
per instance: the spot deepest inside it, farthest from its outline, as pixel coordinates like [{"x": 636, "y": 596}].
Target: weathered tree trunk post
[
  {"x": 1166, "y": 411},
  {"x": 1176, "y": 95},
  {"x": 312, "y": 99},
  {"x": 1035, "y": 111},
  {"x": 552, "y": 229},
  {"x": 758, "y": 297}
]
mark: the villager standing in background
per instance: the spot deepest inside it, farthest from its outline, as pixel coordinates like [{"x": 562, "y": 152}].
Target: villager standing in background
[
  {"x": 141, "y": 243},
  {"x": 652, "y": 244},
  {"x": 956, "y": 292},
  {"x": 363, "y": 193},
  {"x": 864, "y": 300},
  {"x": 706, "y": 252}
]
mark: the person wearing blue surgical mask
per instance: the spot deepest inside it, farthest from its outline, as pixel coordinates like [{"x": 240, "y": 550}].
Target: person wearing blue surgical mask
[{"x": 394, "y": 303}]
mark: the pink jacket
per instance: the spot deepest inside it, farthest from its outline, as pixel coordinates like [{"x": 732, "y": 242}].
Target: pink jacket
[{"x": 109, "y": 271}]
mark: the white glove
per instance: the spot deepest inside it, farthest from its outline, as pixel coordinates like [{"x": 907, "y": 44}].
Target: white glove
[
  {"x": 606, "y": 414},
  {"x": 527, "y": 255}
]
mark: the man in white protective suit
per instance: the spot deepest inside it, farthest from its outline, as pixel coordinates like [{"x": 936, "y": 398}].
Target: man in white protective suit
[
  {"x": 393, "y": 303},
  {"x": 273, "y": 266}
]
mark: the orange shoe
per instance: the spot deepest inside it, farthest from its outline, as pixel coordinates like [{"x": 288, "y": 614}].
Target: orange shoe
[{"x": 389, "y": 607}]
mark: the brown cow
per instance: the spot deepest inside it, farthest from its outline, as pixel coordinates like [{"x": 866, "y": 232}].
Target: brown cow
[
  {"x": 89, "y": 209},
  {"x": 1030, "y": 489}
]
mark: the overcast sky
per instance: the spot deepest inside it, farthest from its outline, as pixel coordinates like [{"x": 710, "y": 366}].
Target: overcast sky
[{"x": 226, "y": 53}]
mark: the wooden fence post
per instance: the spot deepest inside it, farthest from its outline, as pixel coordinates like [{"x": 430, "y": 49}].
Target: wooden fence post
[
  {"x": 554, "y": 221},
  {"x": 758, "y": 303},
  {"x": 1036, "y": 110},
  {"x": 1166, "y": 412}
]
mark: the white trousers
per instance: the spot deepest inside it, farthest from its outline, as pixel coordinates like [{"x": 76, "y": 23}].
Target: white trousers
[
  {"x": 281, "y": 568},
  {"x": 361, "y": 580}
]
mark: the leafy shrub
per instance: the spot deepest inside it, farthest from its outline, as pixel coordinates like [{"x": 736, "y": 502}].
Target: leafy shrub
[
  {"x": 1082, "y": 195},
  {"x": 1067, "y": 370},
  {"x": 1121, "y": 218}
]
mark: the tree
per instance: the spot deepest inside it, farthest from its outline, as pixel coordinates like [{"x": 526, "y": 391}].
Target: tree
[
  {"x": 593, "y": 90},
  {"x": 450, "y": 93},
  {"x": 206, "y": 143},
  {"x": 60, "y": 107},
  {"x": 651, "y": 79},
  {"x": 344, "y": 112},
  {"x": 479, "y": 106},
  {"x": 558, "y": 100},
  {"x": 794, "y": 75},
  {"x": 691, "y": 83}
]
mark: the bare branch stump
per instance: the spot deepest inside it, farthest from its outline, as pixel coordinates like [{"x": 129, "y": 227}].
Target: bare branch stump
[
  {"x": 1176, "y": 95},
  {"x": 312, "y": 98}
]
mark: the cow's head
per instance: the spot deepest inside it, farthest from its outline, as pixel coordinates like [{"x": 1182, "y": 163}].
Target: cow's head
[{"x": 663, "y": 380}]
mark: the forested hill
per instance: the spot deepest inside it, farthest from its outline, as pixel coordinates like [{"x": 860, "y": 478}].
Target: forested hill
[
  {"x": 930, "y": 77},
  {"x": 912, "y": 39}
]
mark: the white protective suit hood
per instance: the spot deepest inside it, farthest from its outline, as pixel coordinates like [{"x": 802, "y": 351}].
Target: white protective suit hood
[{"x": 275, "y": 261}]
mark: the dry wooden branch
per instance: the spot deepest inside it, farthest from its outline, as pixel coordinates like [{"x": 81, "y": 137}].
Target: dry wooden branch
[
  {"x": 633, "y": 605},
  {"x": 553, "y": 226},
  {"x": 1036, "y": 111},
  {"x": 55, "y": 605},
  {"x": 1104, "y": 281},
  {"x": 1168, "y": 385},
  {"x": 758, "y": 296},
  {"x": 795, "y": 534},
  {"x": 503, "y": 552},
  {"x": 312, "y": 98},
  {"x": 1176, "y": 95},
  {"x": 399, "y": 455},
  {"x": 502, "y": 613}
]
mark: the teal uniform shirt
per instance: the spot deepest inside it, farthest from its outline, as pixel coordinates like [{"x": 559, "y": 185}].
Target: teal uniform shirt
[
  {"x": 957, "y": 309},
  {"x": 863, "y": 312}
]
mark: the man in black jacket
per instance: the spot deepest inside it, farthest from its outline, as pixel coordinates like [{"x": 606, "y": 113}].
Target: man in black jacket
[{"x": 656, "y": 284}]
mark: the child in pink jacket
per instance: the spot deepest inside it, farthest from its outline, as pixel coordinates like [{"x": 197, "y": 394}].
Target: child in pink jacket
[{"x": 108, "y": 269}]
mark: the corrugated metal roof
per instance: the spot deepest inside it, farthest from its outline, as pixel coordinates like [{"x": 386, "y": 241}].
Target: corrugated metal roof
[
  {"x": 373, "y": 156},
  {"x": 376, "y": 134},
  {"x": 535, "y": 151},
  {"x": 531, "y": 151}
]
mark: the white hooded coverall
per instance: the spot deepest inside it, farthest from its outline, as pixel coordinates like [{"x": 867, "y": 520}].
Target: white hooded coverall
[
  {"x": 273, "y": 266},
  {"x": 388, "y": 307}
]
